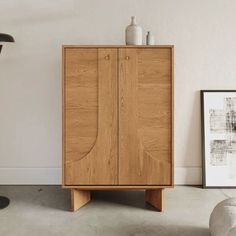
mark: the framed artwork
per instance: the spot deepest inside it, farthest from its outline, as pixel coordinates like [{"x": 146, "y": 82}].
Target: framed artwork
[{"x": 219, "y": 138}]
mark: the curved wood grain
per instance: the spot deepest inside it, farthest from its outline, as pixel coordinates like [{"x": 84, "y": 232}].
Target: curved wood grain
[
  {"x": 81, "y": 98},
  {"x": 92, "y": 158},
  {"x": 145, "y": 116}
]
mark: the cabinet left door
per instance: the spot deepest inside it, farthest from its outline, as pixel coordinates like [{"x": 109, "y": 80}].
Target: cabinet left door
[{"x": 89, "y": 116}]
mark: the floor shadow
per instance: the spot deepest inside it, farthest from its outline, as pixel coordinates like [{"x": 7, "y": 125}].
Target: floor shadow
[
  {"x": 131, "y": 198},
  {"x": 58, "y": 198},
  {"x": 141, "y": 223}
]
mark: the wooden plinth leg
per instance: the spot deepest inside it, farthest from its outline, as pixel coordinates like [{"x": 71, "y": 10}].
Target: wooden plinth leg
[
  {"x": 79, "y": 198},
  {"x": 155, "y": 198}
]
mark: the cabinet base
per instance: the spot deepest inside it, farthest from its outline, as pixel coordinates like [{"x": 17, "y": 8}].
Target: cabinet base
[
  {"x": 80, "y": 197},
  {"x": 155, "y": 198}
]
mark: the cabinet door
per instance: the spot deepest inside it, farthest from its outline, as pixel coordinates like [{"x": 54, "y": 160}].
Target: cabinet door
[
  {"x": 90, "y": 116},
  {"x": 145, "y": 116}
]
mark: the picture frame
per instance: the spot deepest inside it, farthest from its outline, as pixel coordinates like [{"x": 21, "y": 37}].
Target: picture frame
[{"x": 218, "y": 125}]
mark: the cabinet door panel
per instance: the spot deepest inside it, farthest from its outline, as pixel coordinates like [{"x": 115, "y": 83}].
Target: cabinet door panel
[
  {"x": 145, "y": 126},
  {"x": 90, "y": 116}
]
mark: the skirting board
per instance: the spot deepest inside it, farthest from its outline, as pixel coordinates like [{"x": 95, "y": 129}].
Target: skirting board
[
  {"x": 30, "y": 176},
  {"x": 52, "y": 176},
  {"x": 188, "y": 176}
]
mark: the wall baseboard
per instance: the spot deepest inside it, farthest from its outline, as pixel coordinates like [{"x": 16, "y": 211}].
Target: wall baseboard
[
  {"x": 52, "y": 176},
  {"x": 30, "y": 176},
  {"x": 188, "y": 176}
]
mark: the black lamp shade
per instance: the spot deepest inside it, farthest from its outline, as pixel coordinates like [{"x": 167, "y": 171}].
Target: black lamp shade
[{"x": 6, "y": 38}]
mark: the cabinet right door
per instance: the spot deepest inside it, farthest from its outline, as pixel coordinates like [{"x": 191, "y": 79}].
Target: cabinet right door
[{"x": 145, "y": 116}]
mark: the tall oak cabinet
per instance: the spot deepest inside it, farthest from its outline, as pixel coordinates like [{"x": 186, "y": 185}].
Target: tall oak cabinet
[{"x": 117, "y": 120}]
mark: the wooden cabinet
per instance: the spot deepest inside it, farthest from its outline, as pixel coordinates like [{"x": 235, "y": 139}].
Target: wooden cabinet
[{"x": 117, "y": 120}]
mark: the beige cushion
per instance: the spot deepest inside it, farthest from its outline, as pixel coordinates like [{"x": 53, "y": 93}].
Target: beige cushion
[{"x": 223, "y": 218}]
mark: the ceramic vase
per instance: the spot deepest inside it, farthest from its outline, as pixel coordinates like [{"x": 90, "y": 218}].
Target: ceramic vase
[{"x": 133, "y": 33}]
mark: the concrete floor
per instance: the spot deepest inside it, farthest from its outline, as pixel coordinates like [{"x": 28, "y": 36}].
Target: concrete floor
[{"x": 43, "y": 210}]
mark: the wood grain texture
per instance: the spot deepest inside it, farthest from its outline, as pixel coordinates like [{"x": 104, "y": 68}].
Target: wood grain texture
[
  {"x": 115, "y": 187},
  {"x": 119, "y": 46},
  {"x": 145, "y": 123},
  {"x": 63, "y": 115},
  {"x": 80, "y": 170},
  {"x": 155, "y": 198},
  {"x": 172, "y": 117},
  {"x": 79, "y": 198},
  {"x": 90, "y": 116}
]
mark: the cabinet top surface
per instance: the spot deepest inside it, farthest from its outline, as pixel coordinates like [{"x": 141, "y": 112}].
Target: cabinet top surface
[{"x": 117, "y": 46}]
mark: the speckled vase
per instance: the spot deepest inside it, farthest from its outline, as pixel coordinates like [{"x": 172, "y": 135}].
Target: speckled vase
[{"x": 133, "y": 33}]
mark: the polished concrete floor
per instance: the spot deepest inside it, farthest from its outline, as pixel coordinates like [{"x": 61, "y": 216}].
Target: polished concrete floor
[{"x": 44, "y": 210}]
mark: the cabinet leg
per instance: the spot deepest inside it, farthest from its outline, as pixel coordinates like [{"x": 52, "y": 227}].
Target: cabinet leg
[
  {"x": 155, "y": 198},
  {"x": 79, "y": 198}
]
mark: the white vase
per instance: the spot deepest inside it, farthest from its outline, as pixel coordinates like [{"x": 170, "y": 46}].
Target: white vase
[{"x": 133, "y": 33}]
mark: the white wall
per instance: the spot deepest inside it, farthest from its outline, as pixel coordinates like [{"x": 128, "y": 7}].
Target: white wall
[{"x": 204, "y": 35}]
